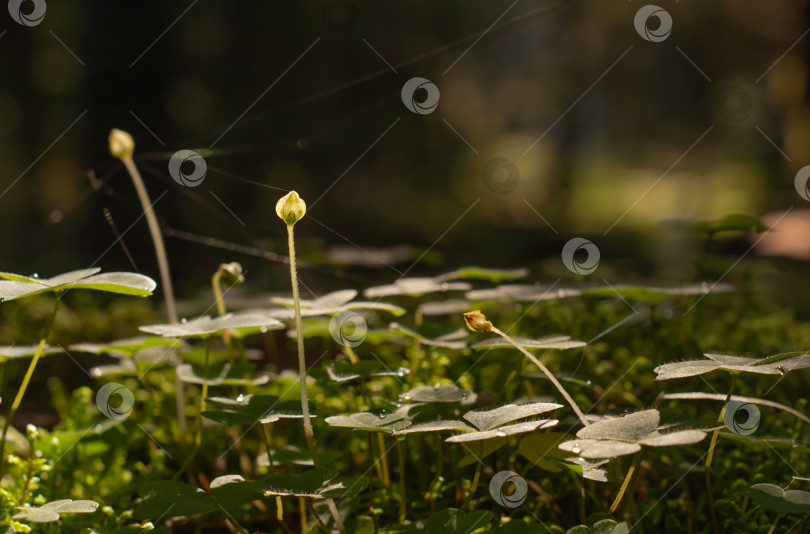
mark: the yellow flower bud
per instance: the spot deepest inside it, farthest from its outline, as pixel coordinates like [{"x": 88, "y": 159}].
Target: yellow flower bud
[
  {"x": 291, "y": 208},
  {"x": 121, "y": 144},
  {"x": 477, "y": 321}
]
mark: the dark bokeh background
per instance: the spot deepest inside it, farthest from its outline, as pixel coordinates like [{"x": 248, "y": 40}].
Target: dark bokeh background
[{"x": 615, "y": 113}]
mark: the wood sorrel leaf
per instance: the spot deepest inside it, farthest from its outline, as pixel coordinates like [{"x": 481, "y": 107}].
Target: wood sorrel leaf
[{"x": 14, "y": 286}]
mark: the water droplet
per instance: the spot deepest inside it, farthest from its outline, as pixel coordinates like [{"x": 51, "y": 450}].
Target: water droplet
[
  {"x": 588, "y": 382},
  {"x": 240, "y": 398},
  {"x": 35, "y": 275},
  {"x": 184, "y": 320},
  {"x": 560, "y": 293},
  {"x": 704, "y": 287},
  {"x": 576, "y": 449},
  {"x": 406, "y": 397},
  {"x": 444, "y": 286},
  {"x": 436, "y": 385},
  {"x": 402, "y": 371},
  {"x": 263, "y": 330},
  {"x": 500, "y": 434}
]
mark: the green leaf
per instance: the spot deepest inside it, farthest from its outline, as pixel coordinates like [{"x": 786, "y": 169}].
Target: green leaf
[
  {"x": 342, "y": 371},
  {"x": 444, "y": 307},
  {"x": 205, "y": 326},
  {"x": 415, "y": 287},
  {"x": 596, "y": 448},
  {"x": 14, "y": 286},
  {"x": 251, "y": 409},
  {"x": 489, "y": 419},
  {"x": 125, "y": 347},
  {"x": 683, "y": 437},
  {"x": 481, "y": 450},
  {"x": 521, "y": 293},
  {"x": 542, "y": 450},
  {"x": 435, "y": 426},
  {"x": 483, "y": 273},
  {"x": 452, "y": 521},
  {"x": 312, "y": 483},
  {"x": 438, "y": 393},
  {"x": 772, "y": 365},
  {"x": 772, "y": 497},
  {"x": 653, "y": 294},
  {"x": 631, "y": 427},
  {"x": 49, "y": 512},
  {"x": 26, "y": 351},
  {"x": 605, "y": 526},
  {"x": 170, "y": 498},
  {"x": 551, "y": 342},
  {"x": 504, "y": 431},
  {"x": 370, "y": 422}
]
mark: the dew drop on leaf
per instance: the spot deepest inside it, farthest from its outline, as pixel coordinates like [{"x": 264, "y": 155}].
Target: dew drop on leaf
[
  {"x": 263, "y": 330},
  {"x": 184, "y": 321},
  {"x": 576, "y": 449},
  {"x": 240, "y": 398},
  {"x": 436, "y": 385},
  {"x": 500, "y": 434}
]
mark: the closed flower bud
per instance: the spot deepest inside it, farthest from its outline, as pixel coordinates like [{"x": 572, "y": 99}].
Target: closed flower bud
[
  {"x": 291, "y": 208},
  {"x": 231, "y": 273},
  {"x": 121, "y": 144},
  {"x": 477, "y": 321}
]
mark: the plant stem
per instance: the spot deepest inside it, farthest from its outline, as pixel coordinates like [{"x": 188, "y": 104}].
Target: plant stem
[
  {"x": 203, "y": 395},
  {"x": 386, "y": 474},
  {"x": 265, "y": 435},
  {"x": 474, "y": 486},
  {"x": 216, "y": 285},
  {"x": 24, "y": 385},
  {"x": 165, "y": 276},
  {"x": 710, "y": 456},
  {"x": 157, "y": 237},
  {"x": 548, "y": 373},
  {"x": 402, "y": 501},
  {"x": 371, "y": 483},
  {"x": 626, "y": 482},
  {"x": 309, "y": 434}
]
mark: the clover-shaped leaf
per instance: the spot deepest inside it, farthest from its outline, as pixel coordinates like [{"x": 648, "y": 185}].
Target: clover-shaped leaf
[
  {"x": 483, "y": 273},
  {"x": 14, "y": 286},
  {"x": 205, "y": 326},
  {"x": 313, "y": 483},
  {"x": 444, "y": 307},
  {"x": 495, "y": 417},
  {"x": 251, "y": 409},
  {"x": 330, "y": 304},
  {"x": 49, "y": 512},
  {"x": 551, "y": 342},
  {"x": 541, "y": 449},
  {"x": 522, "y": 293},
  {"x": 435, "y": 426},
  {"x": 370, "y": 422},
  {"x": 26, "y": 351},
  {"x": 222, "y": 374},
  {"x": 415, "y": 287},
  {"x": 437, "y": 342},
  {"x": 438, "y": 393},
  {"x": 342, "y": 371},
  {"x": 504, "y": 431},
  {"x": 605, "y": 526},
  {"x": 772, "y": 497},
  {"x": 619, "y": 436},
  {"x": 170, "y": 498},
  {"x": 772, "y": 365},
  {"x": 653, "y": 294},
  {"x": 125, "y": 347}
]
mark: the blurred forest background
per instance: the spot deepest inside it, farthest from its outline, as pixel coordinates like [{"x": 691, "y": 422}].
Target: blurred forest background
[{"x": 609, "y": 133}]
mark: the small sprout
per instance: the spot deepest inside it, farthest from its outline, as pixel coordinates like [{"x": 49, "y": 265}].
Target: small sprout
[
  {"x": 291, "y": 208},
  {"x": 477, "y": 321},
  {"x": 231, "y": 273},
  {"x": 121, "y": 144}
]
